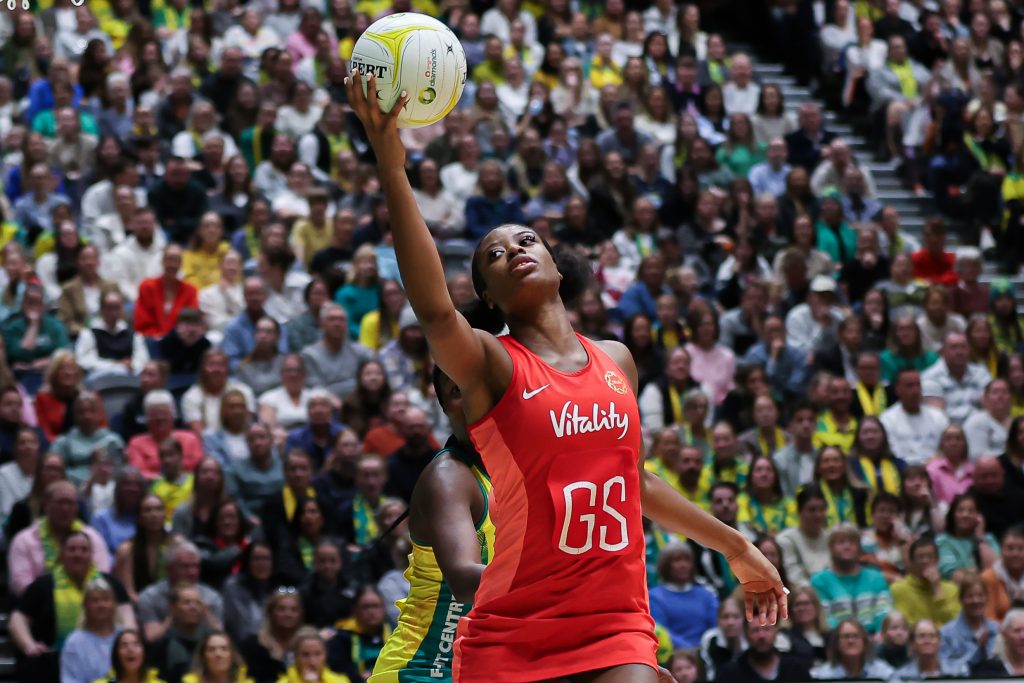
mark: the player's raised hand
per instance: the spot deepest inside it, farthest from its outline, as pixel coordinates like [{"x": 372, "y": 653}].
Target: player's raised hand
[
  {"x": 762, "y": 586},
  {"x": 381, "y": 127}
]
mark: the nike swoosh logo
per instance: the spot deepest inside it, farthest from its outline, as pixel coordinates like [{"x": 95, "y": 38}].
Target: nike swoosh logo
[{"x": 527, "y": 395}]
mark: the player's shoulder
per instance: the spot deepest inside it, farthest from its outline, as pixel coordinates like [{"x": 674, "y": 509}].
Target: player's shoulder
[{"x": 444, "y": 476}]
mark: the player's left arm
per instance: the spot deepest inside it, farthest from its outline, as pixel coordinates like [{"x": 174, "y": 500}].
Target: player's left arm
[{"x": 670, "y": 510}]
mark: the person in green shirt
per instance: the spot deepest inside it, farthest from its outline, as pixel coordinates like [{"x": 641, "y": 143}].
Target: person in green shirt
[
  {"x": 45, "y": 123},
  {"x": 31, "y": 336},
  {"x": 835, "y": 236}
]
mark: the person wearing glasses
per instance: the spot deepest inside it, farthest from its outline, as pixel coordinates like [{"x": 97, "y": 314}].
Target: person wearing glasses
[{"x": 925, "y": 660}]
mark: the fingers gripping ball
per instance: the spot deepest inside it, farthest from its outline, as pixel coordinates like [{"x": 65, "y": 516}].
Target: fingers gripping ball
[{"x": 418, "y": 54}]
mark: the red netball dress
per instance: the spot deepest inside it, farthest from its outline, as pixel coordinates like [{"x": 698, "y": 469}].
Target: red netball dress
[{"x": 566, "y": 590}]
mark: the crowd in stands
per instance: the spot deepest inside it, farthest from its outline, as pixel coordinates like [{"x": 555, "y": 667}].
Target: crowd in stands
[{"x": 215, "y": 401}]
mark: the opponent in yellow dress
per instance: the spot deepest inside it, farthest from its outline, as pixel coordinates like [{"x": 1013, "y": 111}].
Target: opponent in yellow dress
[{"x": 420, "y": 648}]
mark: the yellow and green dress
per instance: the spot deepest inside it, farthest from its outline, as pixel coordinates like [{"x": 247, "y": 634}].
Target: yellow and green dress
[{"x": 421, "y": 648}]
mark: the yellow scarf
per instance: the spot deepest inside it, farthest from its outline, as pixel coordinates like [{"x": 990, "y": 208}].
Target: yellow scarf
[
  {"x": 872, "y": 402},
  {"x": 890, "y": 475},
  {"x": 677, "y": 404},
  {"x": 51, "y": 550},
  {"x": 778, "y": 436},
  {"x": 290, "y": 501},
  {"x": 838, "y": 510},
  {"x": 336, "y": 143},
  {"x": 67, "y": 601},
  {"x": 905, "y": 74}
]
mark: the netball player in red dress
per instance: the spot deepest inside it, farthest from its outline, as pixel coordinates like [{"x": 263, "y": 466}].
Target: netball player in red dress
[{"x": 555, "y": 418}]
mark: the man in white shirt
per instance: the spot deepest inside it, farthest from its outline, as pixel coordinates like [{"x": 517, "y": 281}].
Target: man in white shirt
[
  {"x": 139, "y": 257},
  {"x": 914, "y": 428},
  {"x": 98, "y": 199},
  {"x": 987, "y": 429},
  {"x": 109, "y": 345},
  {"x": 954, "y": 382},
  {"x": 741, "y": 93},
  {"x": 497, "y": 21},
  {"x": 808, "y": 322},
  {"x": 460, "y": 177}
]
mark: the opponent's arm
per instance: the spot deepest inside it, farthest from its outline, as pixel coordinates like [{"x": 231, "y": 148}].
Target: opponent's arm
[
  {"x": 664, "y": 505},
  {"x": 445, "y": 506},
  {"x": 456, "y": 347}
]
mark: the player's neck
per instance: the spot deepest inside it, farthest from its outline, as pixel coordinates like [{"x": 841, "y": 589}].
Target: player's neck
[{"x": 547, "y": 329}]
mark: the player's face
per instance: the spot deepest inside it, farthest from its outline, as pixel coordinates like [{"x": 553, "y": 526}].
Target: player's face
[{"x": 509, "y": 258}]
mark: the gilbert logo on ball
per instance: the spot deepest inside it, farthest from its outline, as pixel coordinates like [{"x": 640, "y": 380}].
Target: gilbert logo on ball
[{"x": 418, "y": 54}]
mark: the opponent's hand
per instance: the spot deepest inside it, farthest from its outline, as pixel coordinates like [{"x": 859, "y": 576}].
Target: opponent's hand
[
  {"x": 762, "y": 585},
  {"x": 381, "y": 128}
]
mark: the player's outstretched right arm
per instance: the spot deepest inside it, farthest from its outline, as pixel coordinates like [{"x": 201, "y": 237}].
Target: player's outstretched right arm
[{"x": 457, "y": 348}]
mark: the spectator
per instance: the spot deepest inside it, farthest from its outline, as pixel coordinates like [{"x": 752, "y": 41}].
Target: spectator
[
  {"x": 31, "y": 336},
  {"x": 78, "y": 445},
  {"x": 965, "y": 539},
  {"x": 950, "y": 471},
  {"x": 806, "y": 631},
  {"x": 327, "y": 594},
  {"x": 161, "y": 413},
  {"x": 986, "y": 430},
  {"x": 804, "y": 547},
  {"x": 762, "y": 660},
  {"x": 938, "y": 321},
  {"x": 266, "y": 652},
  {"x": 334, "y": 360},
  {"x": 933, "y": 263},
  {"x": 794, "y": 462},
  {"x": 153, "y": 316},
  {"x": 1010, "y": 662},
  {"x": 970, "y": 297},
  {"x": 261, "y": 369},
  {"x": 954, "y": 381},
  {"x": 221, "y": 301},
  {"x": 245, "y": 591},
  {"x": 140, "y": 256},
  {"x": 727, "y": 641},
  {"x": 407, "y": 463},
  {"x": 850, "y": 655},
  {"x": 137, "y": 562},
  {"x": 679, "y": 603},
  {"x": 923, "y": 593},
  {"x": 33, "y": 551},
  {"x": 914, "y": 428},
  {"x": 81, "y": 297},
  {"x": 253, "y": 481},
  {"x": 906, "y": 350},
  {"x": 188, "y": 622},
  {"x": 201, "y": 403},
  {"x": 17, "y": 475},
  {"x": 769, "y": 176},
  {"x": 178, "y": 201},
  {"x": 971, "y": 637},
  {"x": 837, "y": 426},
  {"x": 88, "y": 648},
  {"x": 106, "y": 344},
  {"x": 994, "y": 497},
  {"x": 848, "y": 590},
  {"x": 181, "y": 564},
  {"x": 49, "y": 609},
  {"x": 807, "y": 323}
]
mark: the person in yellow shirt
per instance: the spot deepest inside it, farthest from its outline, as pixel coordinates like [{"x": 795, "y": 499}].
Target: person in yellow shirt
[
  {"x": 200, "y": 263},
  {"x": 174, "y": 485},
  {"x": 382, "y": 325},
  {"x": 601, "y": 69},
  {"x": 762, "y": 506},
  {"x": 217, "y": 660},
  {"x": 493, "y": 67},
  {"x": 923, "y": 594},
  {"x": 312, "y": 233}
]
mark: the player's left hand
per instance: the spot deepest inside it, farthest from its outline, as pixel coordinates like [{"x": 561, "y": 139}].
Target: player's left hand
[{"x": 762, "y": 585}]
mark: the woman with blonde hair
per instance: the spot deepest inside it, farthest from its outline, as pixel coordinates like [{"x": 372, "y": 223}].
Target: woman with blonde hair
[
  {"x": 309, "y": 654},
  {"x": 925, "y": 660},
  {"x": 87, "y": 650},
  {"x": 266, "y": 651},
  {"x": 62, "y": 383},
  {"x": 361, "y": 292},
  {"x": 217, "y": 661}
]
